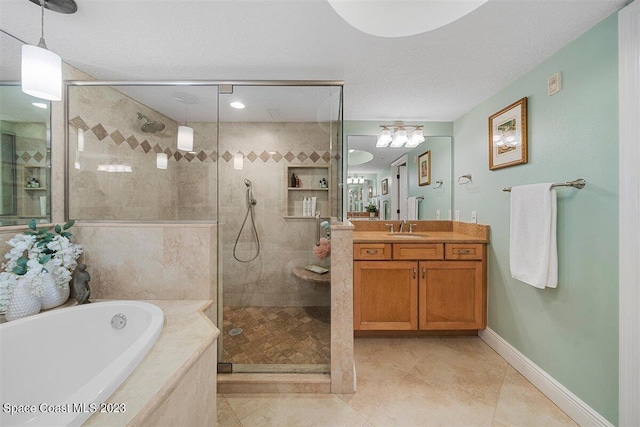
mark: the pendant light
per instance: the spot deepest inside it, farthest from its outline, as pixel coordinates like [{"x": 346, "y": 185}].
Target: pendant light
[
  {"x": 41, "y": 69},
  {"x": 185, "y": 133}
]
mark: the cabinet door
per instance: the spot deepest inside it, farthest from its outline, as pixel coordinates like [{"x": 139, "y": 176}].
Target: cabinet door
[
  {"x": 452, "y": 295},
  {"x": 385, "y": 295}
]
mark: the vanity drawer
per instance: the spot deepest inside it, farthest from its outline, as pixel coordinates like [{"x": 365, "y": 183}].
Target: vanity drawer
[
  {"x": 464, "y": 251},
  {"x": 418, "y": 251},
  {"x": 372, "y": 251}
]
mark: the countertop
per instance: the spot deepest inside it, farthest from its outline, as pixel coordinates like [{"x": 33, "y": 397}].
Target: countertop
[{"x": 416, "y": 237}]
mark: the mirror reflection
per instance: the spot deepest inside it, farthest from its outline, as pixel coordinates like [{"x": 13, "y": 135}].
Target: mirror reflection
[
  {"x": 24, "y": 157},
  {"x": 388, "y": 183}
]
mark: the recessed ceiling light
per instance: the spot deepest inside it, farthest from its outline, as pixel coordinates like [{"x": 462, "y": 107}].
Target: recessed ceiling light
[
  {"x": 39, "y": 104},
  {"x": 237, "y": 105}
]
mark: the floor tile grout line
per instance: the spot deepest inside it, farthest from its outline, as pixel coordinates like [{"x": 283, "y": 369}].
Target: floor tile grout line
[{"x": 504, "y": 378}]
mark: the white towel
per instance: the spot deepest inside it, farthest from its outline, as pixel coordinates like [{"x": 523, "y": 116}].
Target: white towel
[
  {"x": 533, "y": 252},
  {"x": 412, "y": 208}
]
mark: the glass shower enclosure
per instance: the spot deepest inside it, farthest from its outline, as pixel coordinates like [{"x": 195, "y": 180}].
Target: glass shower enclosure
[
  {"x": 262, "y": 160},
  {"x": 283, "y": 152}
]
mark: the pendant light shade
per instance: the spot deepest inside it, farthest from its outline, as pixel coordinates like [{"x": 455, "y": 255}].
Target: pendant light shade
[
  {"x": 161, "y": 160},
  {"x": 185, "y": 138},
  {"x": 41, "y": 73}
]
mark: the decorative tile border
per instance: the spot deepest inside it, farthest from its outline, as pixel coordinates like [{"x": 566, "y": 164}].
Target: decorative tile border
[
  {"x": 30, "y": 158},
  {"x": 117, "y": 138}
]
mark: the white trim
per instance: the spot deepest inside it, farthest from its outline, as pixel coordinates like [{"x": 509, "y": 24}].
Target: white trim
[
  {"x": 629, "y": 216},
  {"x": 571, "y": 404}
]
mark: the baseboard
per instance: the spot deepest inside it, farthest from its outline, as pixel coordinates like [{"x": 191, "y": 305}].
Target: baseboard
[{"x": 571, "y": 404}]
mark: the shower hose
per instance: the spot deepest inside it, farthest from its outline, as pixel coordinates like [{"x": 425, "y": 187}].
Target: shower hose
[{"x": 250, "y": 204}]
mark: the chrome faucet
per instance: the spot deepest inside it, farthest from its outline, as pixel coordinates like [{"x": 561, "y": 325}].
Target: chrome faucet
[{"x": 402, "y": 224}]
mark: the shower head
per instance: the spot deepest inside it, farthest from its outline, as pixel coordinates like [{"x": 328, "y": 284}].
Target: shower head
[
  {"x": 247, "y": 182},
  {"x": 150, "y": 126}
]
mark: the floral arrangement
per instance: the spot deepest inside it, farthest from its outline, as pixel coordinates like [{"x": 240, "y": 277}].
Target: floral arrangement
[{"x": 35, "y": 253}]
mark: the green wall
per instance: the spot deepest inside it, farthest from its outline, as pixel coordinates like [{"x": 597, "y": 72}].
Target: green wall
[{"x": 571, "y": 332}]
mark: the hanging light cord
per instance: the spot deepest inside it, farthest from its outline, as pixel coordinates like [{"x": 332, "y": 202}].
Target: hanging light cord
[{"x": 42, "y": 44}]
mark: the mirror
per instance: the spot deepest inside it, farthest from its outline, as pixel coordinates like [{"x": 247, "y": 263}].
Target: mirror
[
  {"x": 24, "y": 157},
  {"x": 379, "y": 169}
]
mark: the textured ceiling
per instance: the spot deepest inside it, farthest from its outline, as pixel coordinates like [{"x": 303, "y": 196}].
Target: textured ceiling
[{"x": 438, "y": 75}]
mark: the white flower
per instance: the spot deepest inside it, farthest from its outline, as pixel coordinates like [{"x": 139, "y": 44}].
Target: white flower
[{"x": 63, "y": 260}]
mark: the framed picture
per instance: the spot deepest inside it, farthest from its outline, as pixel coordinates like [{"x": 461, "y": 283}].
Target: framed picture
[
  {"x": 385, "y": 186},
  {"x": 370, "y": 191},
  {"x": 424, "y": 168},
  {"x": 508, "y": 136}
]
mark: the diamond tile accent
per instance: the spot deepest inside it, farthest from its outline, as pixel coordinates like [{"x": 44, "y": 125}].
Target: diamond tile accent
[
  {"x": 264, "y": 156},
  {"x": 337, "y": 157},
  {"x": 214, "y": 156},
  {"x": 314, "y": 156},
  {"x": 38, "y": 157},
  {"x": 133, "y": 142},
  {"x": 289, "y": 156},
  {"x": 100, "y": 132},
  {"x": 25, "y": 156},
  {"x": 202, "y": 156},
  {"x": 302, "y": 156},
  {"x": 168, "y": 152},
  {"x": 78, "y": 123},
  {"x": 189, "y": 156},
  {"x": 177, "y": 155},
  {"x": 146, "y": 146},
  {"x": 252, "y": 156},
  {"x": 157, "y": 148},
  {"x": 227, "y": 156},
  {"x": 326, "y": 156},
  {"x": 277, "y": 157},
  {"x": 117, "y": 137}
]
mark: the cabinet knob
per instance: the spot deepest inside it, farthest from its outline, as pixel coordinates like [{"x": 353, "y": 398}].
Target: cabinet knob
[
  {"x": 464, "y": 251},
  {"x": 372, "y": 251}
]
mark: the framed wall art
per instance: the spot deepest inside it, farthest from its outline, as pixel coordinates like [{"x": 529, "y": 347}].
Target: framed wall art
[
  {"x": 385, "y": 186},
  {"x": 424, "y": 168},
  {"x": 508, "y": 136}
]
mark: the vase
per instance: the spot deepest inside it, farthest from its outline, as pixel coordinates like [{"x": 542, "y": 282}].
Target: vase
[
  {"x": 23, "y": 303},
  {"x": 53, "y": 295}
]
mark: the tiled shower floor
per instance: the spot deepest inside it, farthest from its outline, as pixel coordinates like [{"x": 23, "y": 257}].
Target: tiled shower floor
[{"x": 277, "y": 335}]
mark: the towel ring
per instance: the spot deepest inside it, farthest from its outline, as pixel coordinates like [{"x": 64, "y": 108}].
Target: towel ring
[
  {"x": 440, "y": 183},
  {"x": 467, "y": 177}
]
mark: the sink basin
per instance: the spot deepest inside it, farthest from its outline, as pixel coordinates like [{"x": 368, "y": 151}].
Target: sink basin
[{"x": 406, "y": 235}]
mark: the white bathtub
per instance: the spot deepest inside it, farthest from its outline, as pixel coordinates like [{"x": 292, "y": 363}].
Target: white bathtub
[{"x": 59, "y": 367}]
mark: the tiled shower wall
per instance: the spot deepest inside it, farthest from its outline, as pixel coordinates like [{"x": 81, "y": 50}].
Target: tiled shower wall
[{"x": 285, "y": 243}]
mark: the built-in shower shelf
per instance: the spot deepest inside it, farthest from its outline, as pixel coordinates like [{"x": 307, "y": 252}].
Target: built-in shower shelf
[{"x": 309, "y": 178}]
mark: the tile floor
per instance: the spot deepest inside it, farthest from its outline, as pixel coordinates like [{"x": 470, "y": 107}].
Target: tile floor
[
  {"x": 409, "y": 382},
  {"x": 277, "y": 335}
]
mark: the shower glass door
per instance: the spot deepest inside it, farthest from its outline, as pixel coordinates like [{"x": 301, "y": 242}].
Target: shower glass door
[{"x": 279, "y": 164}]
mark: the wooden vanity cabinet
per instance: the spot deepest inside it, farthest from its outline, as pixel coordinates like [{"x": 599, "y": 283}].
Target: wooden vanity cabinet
[
  {"x": 420, "y": 286},
  {"x": 385, "y": 295}
]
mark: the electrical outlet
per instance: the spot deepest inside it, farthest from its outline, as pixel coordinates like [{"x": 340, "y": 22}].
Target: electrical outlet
[
  {"x": 474, "y": 217},
  {"x": 457, "y": 215},
  {"x": 438, "y": 214}
]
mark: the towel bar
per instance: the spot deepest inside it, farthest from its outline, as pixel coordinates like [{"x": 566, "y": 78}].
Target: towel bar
[{"x": 578, "y": 183}]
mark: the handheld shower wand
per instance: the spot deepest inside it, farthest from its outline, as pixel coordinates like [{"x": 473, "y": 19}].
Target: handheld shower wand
[{"x": 251, "y": 202}]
